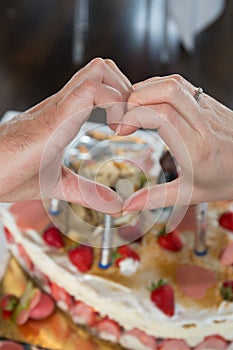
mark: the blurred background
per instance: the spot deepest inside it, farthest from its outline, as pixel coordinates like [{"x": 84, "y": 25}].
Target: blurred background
[{"x": 43, "y": 42}]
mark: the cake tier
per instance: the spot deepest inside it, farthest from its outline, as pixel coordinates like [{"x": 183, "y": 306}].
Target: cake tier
[{"x": 118, "y": 307}]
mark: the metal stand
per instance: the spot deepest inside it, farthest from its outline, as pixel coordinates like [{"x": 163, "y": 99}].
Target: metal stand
[{"x": 200, "y": 248}]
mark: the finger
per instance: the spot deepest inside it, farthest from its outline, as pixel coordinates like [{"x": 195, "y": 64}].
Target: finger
[
  {"x": 99, "y": 71},
  {"x": 159, "y": 196},
  {"x": 74, "y": 109},
  {"x": 76, "y": 189},
  {"x": 171, "y": 92},
  {"x": 124, "y": 79},
  {"x": 174, "y": 131},
  {"x": 190, "y": 87},
  {"x": 173, "y": 194},
  {"x": 119, "y": 110}
]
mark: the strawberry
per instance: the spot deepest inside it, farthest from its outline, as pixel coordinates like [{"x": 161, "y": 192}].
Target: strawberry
[
  {"x": 213, "y": 342},
  {"x": 226, "y": 290},
  {"x": 25, "y": 257},
  {"x": 124, "y": 252},
  {"x": 8, "y": 305},
  {"x": 60, "y": 294},
  {"x": 8, "y": 235},
  {"x": 53, "y": 237},
  {"x": 107, "y": 327},
  {"x": 170, "y": 240},
  {"x": 162, "y": 295},
  {"x": 28, "y": 301},
  {"x": 81, "y": 257},
  {"x": 226, "y": 220},
  {"x": 83, "y": 313},
  {"x": 136, "y": 335}
]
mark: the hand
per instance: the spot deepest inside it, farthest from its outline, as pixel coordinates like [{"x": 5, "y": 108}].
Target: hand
[
  {"x": 198, "y": 134},
  {"x": 32, "y": 144}
]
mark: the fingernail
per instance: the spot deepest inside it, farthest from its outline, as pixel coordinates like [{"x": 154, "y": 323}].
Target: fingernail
[{"x": 125, "y": 212}]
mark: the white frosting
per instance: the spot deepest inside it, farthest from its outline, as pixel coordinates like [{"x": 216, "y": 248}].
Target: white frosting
[
  {"x": 128, "y": 266},
  {"x": 128, "y": 307},
  {"x": 132, "y": 342}
]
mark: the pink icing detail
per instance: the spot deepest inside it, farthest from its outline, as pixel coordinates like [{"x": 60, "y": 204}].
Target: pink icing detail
[
  {"x": 227, "y": 255},
  {"x": 194, "y": 280},
  {"x": 30, "y": 215}
]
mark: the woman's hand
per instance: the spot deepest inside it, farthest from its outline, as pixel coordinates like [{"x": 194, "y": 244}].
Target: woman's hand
[
  {"x": 198, "y": 134},
  {"x": 32, "y": 144}
]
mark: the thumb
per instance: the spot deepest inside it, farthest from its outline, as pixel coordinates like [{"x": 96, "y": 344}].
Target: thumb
[
  {"x": 158, "y": 196},
  {"x": 76, "y": 189},
  {"x": 171, "y": 194}
]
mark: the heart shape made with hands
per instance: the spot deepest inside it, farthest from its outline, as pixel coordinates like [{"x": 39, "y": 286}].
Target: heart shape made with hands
[
  {"x": 124, "y": 164},
  {"x": 103, "y": 171}
]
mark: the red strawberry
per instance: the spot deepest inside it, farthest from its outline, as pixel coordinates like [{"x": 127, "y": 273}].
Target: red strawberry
[
  {"x": 170, "y": 240},
  {"x": 107, "y": 327},
  {"x": 226, "y": 220},
  {"x": 123, "y": 252},
  {"x": 8, "y": 235},
  {"x": 8, "y": 305},
  {"x": 227, "y": 290},
  {"x": 60, "y": 294},
  {"x": 174, "y": 344},
  {"x": 145, "y": 340},
  {"x": 53, "y": 237},
  {"x": 25, "y": 257},
  {"x": 213, "y": 342},
  {"x": 83, "y": 313},
  {"x": 81, "y": 257},
  {"x": 162, "y": 295}
]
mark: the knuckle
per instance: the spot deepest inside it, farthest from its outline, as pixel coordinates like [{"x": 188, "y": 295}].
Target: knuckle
[
  {"x": 173, "y": 87},
  {"x": 97, "y": 63},
  {"x": 167, "y": 110},
  {"x": 133, "y": 98},
  {"x": 109, "y": 61},
  {"x": 178, "y": 78},
  {"x": 88, "y": 86}
]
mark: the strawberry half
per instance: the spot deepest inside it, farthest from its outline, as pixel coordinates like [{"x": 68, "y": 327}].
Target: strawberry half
[
  {"x": 170, "y": 241},
  {"x": 124, "y": 252},
  {"x": 28, "y": 301},
  {"x": 162, "y": 295},
  {"x": 107, "y": 327},
  {"x": 8, "y": 305},
  {"x": 226, "y": 220},
  {"x": 53, "y": 237},
  {"x": 81, "y": 257},
  {"x": 60, "y": 294}
]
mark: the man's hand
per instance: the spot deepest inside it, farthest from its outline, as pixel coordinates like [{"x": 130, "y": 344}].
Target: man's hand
[{"x": 32, "y": 144}]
